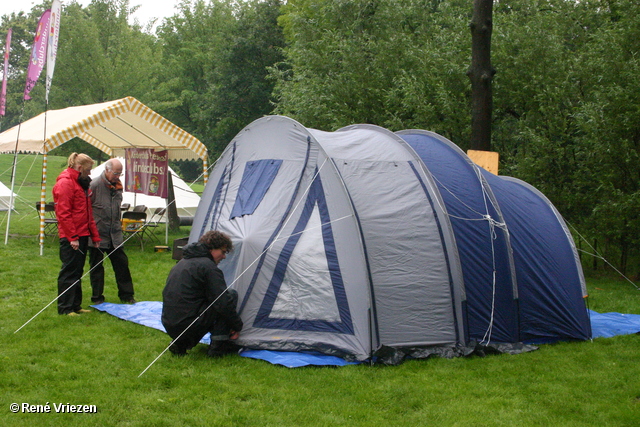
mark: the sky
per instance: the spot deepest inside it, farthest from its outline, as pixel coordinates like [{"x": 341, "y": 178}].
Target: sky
[{"x": 148, "y": 10}]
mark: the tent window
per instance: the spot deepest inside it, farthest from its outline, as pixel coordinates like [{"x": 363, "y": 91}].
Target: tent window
[{"x": 256, "y": 180}]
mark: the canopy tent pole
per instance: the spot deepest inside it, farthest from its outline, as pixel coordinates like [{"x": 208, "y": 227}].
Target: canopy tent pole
[
  {"x": 43, "y": 191},
  {"x": 205, "y": 169},
  {"x": 43, "y": 182}
]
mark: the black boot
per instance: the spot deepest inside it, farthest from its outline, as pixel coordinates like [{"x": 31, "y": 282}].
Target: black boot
[
  {"x": 220, "y": 348},
  {"x": 177, "y": 350},
  {"x": 215, "y": 349}
]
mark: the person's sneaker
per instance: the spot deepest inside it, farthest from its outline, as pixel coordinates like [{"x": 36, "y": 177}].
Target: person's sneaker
[
  {"x": 82, "y": 311},
  {"x": 128, "y": 301},
  {"x": 73, "y": 314}
]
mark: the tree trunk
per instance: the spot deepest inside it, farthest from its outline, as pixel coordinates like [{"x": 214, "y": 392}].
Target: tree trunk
[
  {"x": 481, "y": 75},
  {"x": 172, "y": 210}
]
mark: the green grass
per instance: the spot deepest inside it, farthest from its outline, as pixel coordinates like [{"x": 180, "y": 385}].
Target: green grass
[{"x": 95, "y": 359}]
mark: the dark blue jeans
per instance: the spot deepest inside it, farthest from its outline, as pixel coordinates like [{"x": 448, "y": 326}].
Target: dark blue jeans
[{"x": 70, "y": 276}]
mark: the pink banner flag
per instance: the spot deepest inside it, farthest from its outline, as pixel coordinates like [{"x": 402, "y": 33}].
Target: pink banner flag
[
  {"x": 146, "y": 171},
  {"x": 38, "y": 54},
  {"x": 3, "y": 94},
  {"x": 54, "y": 32}
]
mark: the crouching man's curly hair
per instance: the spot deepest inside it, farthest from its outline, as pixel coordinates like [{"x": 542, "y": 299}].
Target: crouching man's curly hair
[{"x": 215, "y": 239}]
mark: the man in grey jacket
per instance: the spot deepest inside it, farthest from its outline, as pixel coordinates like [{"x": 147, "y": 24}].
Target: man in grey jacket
[{"x": 106, "y": 199}]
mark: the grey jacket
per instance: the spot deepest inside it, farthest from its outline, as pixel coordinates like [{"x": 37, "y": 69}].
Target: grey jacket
[{"x": 106, "y": 201}]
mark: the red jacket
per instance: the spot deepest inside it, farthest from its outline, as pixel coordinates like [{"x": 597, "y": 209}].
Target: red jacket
[{"x": 73, "y": 208}]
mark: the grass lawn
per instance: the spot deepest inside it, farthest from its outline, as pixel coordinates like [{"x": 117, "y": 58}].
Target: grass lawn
[{"x": 95, "y": 359}]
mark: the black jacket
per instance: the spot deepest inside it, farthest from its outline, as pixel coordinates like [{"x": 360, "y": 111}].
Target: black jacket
[{"x": 193, "y": 283}]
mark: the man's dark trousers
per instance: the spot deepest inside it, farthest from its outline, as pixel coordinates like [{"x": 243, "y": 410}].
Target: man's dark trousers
[{"x": 120, "y": 263}]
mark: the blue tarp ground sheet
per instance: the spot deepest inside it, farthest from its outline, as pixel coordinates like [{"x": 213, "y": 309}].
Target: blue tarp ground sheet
[
  {"x": 147, "y": 313},
  {"x": 607, "y": 325}
]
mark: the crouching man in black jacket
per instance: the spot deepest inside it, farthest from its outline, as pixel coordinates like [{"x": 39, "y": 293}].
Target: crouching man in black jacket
[{"x": 194, "y": 284}]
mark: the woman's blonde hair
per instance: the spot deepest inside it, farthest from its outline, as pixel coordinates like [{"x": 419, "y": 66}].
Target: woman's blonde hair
[{"x": 81, "y": 159}]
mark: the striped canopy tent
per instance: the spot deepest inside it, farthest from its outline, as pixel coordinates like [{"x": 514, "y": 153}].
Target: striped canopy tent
[{"x": 110, "y": 126}]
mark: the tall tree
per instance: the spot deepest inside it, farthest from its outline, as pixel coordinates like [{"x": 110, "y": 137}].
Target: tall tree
[{"x": 481, "y": 74}]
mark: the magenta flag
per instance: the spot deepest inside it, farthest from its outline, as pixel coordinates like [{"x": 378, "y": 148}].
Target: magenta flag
[
  {"x": 3, "y": 94},
  {"x": 38, "y": 54},
  {"x": 146, "y": 171}
]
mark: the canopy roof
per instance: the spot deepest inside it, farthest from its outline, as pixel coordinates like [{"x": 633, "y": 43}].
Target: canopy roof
[{"x": 110, "y": 126}]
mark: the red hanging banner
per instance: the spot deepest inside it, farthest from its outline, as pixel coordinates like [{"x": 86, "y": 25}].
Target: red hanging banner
[{"x": 146, "y": 171}]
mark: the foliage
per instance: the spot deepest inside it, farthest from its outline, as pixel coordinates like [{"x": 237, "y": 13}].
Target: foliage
[
  {"x": 215, "y": 57},
  {"x": 396, "y": 64},
  {"x": 102, "y": 58},
  {"x": 566, "y": 92}
]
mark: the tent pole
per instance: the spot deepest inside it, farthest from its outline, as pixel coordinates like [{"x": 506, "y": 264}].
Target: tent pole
[
  {"x": 11, "y": 200},
  {"x": 205, "y": 169},
  {"x": 166, "y": 209},
  {"x": 43, "y": 191},
  {"x": 13, "y": 177}
]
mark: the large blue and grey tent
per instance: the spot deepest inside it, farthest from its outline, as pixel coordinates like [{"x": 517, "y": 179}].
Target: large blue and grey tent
[{"x": 362, "y": 243}]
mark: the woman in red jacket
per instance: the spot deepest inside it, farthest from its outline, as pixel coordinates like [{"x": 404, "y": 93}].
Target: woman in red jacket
[{"x": 75, "y": 226}]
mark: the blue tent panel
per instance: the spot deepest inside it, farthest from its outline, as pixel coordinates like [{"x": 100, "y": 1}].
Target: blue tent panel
[
  {"x": 256, "y": 180},
  {"x": 550, "y": 284},
  {"x": 491, "y": 315}
]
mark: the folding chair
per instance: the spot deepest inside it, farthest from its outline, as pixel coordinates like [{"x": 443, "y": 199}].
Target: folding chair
[
  {"x": 50, "y": 220},
  {"x": 133, "y": 223},
  {"x": 125, "y": 206},
  {"x": 139, "y": 208},
  {"x": 150, "y": 229}
]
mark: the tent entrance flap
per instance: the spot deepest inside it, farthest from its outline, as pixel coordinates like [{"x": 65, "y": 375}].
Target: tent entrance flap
[{"x": 306, "y": 291}]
